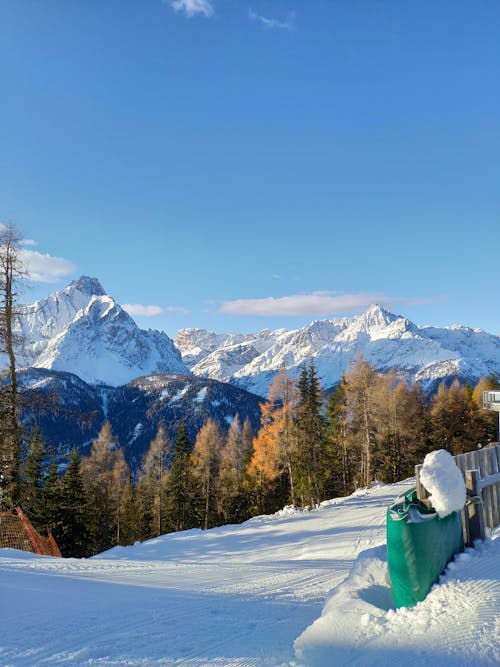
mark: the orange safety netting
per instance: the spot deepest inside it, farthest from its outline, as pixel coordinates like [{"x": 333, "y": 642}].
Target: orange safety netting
[{"x": 17, "y": 532}]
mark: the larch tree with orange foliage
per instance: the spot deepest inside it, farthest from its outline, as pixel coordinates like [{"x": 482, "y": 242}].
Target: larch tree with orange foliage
[
  {"x": 230, "y": 497},
  {"x": 274, "y": 447},
  {"x": 205, "y": 461}
]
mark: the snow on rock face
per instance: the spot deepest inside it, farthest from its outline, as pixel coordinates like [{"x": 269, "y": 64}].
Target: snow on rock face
[
  {"x": 443, "y": 480},
  {"x": 386, "y": 340},
  {"x": 83, "y": 331}
]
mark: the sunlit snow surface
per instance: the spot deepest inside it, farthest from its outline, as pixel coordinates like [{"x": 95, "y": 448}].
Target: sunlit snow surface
[{"x": 242, "y": 595}]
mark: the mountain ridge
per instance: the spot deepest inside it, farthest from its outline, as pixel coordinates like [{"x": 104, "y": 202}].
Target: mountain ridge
[
  {"x": 82, "y": 330},
  {"x": 70, "y": 412},
  {"x": 425, "y": 354}
]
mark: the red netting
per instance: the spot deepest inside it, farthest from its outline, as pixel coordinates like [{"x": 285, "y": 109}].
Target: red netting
[{"x": 17, "y": 532}]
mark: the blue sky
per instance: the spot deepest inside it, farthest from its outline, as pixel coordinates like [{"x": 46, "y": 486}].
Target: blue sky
[{"x": 237, "y": 165}]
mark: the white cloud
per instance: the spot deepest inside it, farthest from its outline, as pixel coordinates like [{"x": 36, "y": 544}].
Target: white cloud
[
  {"x": 315, "y": 304},
  {"x": 138, "y": 309},
  {"x": 193, "y": 7},
  {"x": 273, "y": 24},
  {"x": 44, "y": 268},
  {"x": 28, "y": 242}
]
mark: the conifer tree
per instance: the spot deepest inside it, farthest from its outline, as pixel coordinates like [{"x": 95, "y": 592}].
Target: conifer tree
[
  {"x": 51, "y": 500},
  {"x": 178, "y": 491},
  {"x": 121, "y": 489},
  {"x": 72, "y": 535},
  {"x": 247, "y": 436},
  {"x": 271, "y": 469},
  {"x": 342, "y": 460},
  {"x": 312, "y": 460},
  {"x": 399, "y": 429},
  {"x": 33, "y": 476},
  {"x": 205, "y": 470},
  {"x": 264, "y": 466},
  {"x": 105, "y": 474},
  {"x": 151, "y": 485},
  {"x": 456, "y": 420},
  {"x": 361, "y": 416},
  {"x": 230, "y": 499},
  {"x": 132, "y": 529},
  {"x": 489, "y": 418},
  {"x": 283, "y": 394}
]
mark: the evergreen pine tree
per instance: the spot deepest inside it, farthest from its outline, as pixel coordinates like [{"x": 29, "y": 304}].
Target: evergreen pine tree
[
  {"x": 178, "y": 491},
  {"x": 72, "y": 532},
  {"x": 33, "y": 476},
  {"x": 131, "y": 530},
  {"x": 51, "y": 498},
  {"x": 339, "y": 481},
  {"x": 312, "y": 461}
]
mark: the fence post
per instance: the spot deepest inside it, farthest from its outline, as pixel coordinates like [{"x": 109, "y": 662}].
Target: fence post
[
  {"x": 474, "y": 506},
  {"x": 422, "y": 493}
]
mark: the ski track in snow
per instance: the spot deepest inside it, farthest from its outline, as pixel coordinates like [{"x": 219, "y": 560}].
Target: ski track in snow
[{"x": 239, "y": 596}]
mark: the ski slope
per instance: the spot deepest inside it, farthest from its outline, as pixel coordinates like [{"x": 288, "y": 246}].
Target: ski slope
[{"x": 287, "y": 589}]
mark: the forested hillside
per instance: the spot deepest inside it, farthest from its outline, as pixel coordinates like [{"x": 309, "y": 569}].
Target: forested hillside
[{"x": 307, "y": 449}]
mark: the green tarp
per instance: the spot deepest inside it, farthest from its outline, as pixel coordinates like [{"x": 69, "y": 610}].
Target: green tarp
[{"x": 419, "y": 545}]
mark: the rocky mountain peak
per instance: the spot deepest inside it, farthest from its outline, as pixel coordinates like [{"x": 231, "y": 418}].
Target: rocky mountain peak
[{"x": 86, "y": 285}]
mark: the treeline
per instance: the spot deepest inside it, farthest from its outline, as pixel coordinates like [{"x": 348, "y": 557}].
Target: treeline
[
  {"x": 308, "y": 448},
  {"x": 97, "y": 503},
  {"x": 374, "y": 426}
]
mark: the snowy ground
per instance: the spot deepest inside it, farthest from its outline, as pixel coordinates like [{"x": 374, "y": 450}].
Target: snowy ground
[{"x": 273, "y": 591}]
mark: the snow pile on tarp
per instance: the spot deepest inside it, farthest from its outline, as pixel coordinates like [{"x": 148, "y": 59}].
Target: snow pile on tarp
[
  {"x": 457, "y": 625},
  {"x": 444, "y": 482}
]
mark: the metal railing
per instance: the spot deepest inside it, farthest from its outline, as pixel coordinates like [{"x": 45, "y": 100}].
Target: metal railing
[
  {"x": 491, "y": 400},
  {"x": 481, "y": 471}
]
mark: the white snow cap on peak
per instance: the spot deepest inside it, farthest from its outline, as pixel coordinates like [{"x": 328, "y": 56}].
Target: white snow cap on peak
[
  {"x": 376, "y": 311},
  {"x": 87, "y": 285},
  {"x": 444, "y": 482}
]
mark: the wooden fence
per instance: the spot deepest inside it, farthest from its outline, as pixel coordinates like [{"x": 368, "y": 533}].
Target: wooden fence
[{"x": 481, "y": 471}]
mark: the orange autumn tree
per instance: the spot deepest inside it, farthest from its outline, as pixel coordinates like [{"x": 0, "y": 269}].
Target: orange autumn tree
[{"x": 271, "y": 463}]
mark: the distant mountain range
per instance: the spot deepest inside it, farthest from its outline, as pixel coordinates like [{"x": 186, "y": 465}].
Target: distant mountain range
[
  {"x": 80, "y": 345},
  {"x": 427, "y": 354}
]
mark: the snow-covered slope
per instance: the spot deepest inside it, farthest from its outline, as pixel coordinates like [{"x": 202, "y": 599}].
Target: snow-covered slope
[
  {"x": 83, "y": 331},
  {"x": 240, "y": 596},
  {"x": 425, "y": 354}
]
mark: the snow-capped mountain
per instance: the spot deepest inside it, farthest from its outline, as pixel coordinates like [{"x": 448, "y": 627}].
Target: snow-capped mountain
[
  {"x": 388, "y": 341},
  {"x": 83, "y": 331}
]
